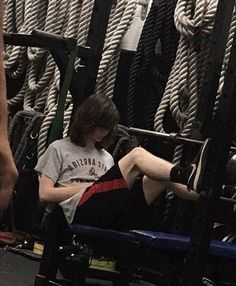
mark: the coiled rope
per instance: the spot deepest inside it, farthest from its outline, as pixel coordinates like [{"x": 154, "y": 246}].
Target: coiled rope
[
  {"x": 194, "y": 20},
  {"x": 121, "y": 19},
  {"x": 153, "y": 60},
  {"x": 226, "y": 60},
  {"x": 147, "y": 29}
]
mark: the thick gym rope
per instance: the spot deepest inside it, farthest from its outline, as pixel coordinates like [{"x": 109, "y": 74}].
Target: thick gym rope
[
  {"x": 168, "y": 39},
  {"x": 147, "y": 29},
  {"x": 35, "y": 87},
  {"x": 121, "y": 19},
  {"x": 226, "y": 59},
  {"x": 194, "y": 20},
  {"x": 149, "y": 65}
]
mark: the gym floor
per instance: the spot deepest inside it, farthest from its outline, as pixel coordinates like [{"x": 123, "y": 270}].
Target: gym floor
[{"x": 16, "y": 270}]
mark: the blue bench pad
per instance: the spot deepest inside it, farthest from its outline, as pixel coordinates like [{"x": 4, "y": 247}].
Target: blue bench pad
[
  {"x": 160, "y": 240},
  {"x": 153, "y": 239},
  {"x": 100, "y": 233}
]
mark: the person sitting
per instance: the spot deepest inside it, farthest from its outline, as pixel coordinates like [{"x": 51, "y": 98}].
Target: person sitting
[{"x": 80, "y": 175}]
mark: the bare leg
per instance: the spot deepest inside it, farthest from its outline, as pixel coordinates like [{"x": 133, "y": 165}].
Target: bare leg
[
  {"x": 152, "y": 190},
  {"x": 157, "y": 171},
  {"x": 139, "y": 161}
]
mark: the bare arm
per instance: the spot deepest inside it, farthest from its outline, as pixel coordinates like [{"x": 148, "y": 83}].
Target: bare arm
[
  {"x": 49, "y": 193},
  {"x": 8, "y": 172}
]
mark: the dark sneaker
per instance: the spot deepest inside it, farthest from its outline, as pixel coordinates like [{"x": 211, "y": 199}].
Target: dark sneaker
[{"x": 195, "y": 177}]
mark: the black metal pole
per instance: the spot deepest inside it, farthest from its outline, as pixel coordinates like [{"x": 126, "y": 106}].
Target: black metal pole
[
  {"x": 212, "y": 180},
  {"x": 87, "y": 73},
  {"x": 171, "y": 137},
  {"x": 218, "y": 40}
]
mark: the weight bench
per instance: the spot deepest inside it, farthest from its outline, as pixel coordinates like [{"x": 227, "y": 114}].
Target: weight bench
[
  {"x": 129, "y": 248},
  {"x": 138, "y": 243}
]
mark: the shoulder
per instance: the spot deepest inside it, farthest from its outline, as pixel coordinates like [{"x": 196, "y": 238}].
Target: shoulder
[
  {"x": 61, "y": 143},
  {"x": 106, "y": 155},
  {"x": 60, "y": 147}
]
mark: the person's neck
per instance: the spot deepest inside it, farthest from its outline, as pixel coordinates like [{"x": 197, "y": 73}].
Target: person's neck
[{"x": 90, "y": 143}]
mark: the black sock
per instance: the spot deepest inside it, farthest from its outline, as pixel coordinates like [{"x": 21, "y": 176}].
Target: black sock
[{"x": 180, "y": 174}]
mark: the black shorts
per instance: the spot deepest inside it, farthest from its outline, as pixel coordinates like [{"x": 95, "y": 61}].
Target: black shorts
[{"x": 108, "y": 203}]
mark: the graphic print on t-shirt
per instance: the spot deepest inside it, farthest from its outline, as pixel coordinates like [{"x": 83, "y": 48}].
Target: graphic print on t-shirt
[
  {"x": 92, "y": 172},
  {"x": 83, "y": 162},
  {"x": 85, "y": 169}
]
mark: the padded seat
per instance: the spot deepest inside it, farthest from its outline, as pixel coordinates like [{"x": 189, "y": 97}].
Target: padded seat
[
  {"x": 160, "y": 240},
  {"x": 104, "y": 234},
  {"x": 152, "y": 239}
]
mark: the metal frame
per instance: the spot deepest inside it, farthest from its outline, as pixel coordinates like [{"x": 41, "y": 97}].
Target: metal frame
[
  {"x": 222, "y": 131},
  {"x": 171, "y": 137},
  {"x": 87, "y": 73}
]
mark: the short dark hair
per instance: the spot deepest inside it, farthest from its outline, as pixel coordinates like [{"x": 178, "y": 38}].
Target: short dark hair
[{"x": 96, "y": 111}]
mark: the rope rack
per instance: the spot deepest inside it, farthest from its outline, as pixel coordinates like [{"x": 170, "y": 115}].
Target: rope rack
[{"x": 172, "y": 137}]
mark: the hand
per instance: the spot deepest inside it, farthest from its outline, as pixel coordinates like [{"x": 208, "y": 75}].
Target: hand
[{"x": 8, "y": 175}]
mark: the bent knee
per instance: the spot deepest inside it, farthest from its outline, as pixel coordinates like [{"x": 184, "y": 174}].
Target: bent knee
[
  {"x": 128, "y": 165},
  {"x": 137, "y": 152}
]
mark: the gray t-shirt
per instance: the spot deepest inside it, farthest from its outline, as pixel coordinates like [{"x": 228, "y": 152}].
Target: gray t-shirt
[{"x": 67, "y": 164}]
